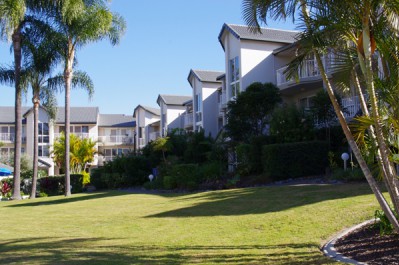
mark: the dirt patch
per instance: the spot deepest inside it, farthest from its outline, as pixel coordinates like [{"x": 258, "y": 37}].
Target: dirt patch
[{"x": 366, "y": 245}]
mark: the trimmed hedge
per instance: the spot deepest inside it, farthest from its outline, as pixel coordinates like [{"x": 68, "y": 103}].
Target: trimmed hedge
[
  {"x": 183, "y": 177},
  {"x": 54, "y": 185},
  {"x": 294, "y": 160}
]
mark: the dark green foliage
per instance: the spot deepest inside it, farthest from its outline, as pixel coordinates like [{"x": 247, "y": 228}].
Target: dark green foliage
[
  {"x": 156, "y": 184},
  {"x": 289, "y": 124},
  {"x": 348, "y": 175},
  {"x": 250, "y": 113},
  {"x": 122, "y": 172},
  {"x": 294, "y": 160},
  {"x": 335, "y": 136},
  {"x": 383, "y": 223},
  {"x": 199, "y": 147},
  {"x": 54, "y": 185},
  {"x": 183, "y": 177}
]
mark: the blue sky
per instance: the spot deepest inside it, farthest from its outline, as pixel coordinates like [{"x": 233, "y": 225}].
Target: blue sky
[{"x": 163, "y": 41}]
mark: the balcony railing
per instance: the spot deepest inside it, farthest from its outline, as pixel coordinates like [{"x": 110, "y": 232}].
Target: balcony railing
[
  {"x": 198, "y": 116},
  {"x": 141, "y": 142},
  {"x": 308, "y": 69},
  {"x": 222, "y": 102},
  {"x": 154, "y": 135},
  {"x": 80, "y": 135},
  {"x": 10, "y": 138},
  {"x": 188, "y": 120},
  {"x": 351, "y": 105},
  {"x": 116, "y": 139}
]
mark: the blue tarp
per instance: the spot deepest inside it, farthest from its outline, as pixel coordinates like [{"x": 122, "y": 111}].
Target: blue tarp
[{"x": 5, "y": 172}]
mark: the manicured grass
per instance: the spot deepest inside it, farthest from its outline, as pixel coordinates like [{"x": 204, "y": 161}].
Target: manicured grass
[{"x": 270, "y": 225}]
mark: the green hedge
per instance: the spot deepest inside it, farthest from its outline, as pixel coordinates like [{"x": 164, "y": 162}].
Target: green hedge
[
  {"x": 183, "y": 177},
  {"x": 294, "y": 160},
  {"x": 54, "y": 185}
]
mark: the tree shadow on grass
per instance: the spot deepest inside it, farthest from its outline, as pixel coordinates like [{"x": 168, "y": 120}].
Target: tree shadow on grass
[
  {"x": 63, "y": 200},
  {"x": 262, "y": 200},
  {"x": 110, "y": 251}
]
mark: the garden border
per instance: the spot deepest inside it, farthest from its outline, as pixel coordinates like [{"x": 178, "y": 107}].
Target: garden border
[{"x": 329, "y": 250}]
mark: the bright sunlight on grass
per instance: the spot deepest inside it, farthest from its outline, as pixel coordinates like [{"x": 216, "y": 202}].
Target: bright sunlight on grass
[{"x": 270, "y": 225}]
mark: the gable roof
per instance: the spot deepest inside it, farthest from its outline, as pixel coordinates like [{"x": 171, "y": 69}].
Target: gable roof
[
  {"x": 78, "y": 115},
  {"x": 205, "y": 76},
  {"x": 266, "y": 34},
  {"x": 115, "y": 120},
  {"x": 154, "y": 111},
  {"x": 173, "y": 99},
  {"x": 7, "y": 114}
]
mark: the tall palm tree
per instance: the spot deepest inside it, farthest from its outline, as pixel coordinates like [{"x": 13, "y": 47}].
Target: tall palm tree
[
  {"x": 11, "y": 22},
  {"x": 82, "y": 22},
  {"x": 254, "y": 10}
]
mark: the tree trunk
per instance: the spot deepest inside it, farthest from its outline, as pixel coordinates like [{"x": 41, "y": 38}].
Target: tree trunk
[
  {"x": 363, "y": 165},
  {"x": 68, "y": 72},
  {"x": 36, "y": 104},
  {"x": 16, "y": 39}
]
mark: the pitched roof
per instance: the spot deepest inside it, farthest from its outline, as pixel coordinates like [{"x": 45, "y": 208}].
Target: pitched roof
[
  {"x": 265, "y": 34},
  {"x": 116, "y": 120},
  {"x": 78, "y": 115},
  {"x": 7, "y": 114},
  {"x": 205, "y": 76},
  {"x": 173, "y": 99},
  {"x": 154, "y": 111}
]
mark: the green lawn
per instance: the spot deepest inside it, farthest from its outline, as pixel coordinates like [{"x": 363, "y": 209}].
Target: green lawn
[{"x": 270, "y": 225}]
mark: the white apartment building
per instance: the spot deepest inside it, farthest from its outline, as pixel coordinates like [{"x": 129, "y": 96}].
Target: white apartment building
[
  {"x": 113, "y": 134},
  {"x": 204, "y": 86},
  {"x": 172, "y": 112},
  {"x": 147, "y": 125}
]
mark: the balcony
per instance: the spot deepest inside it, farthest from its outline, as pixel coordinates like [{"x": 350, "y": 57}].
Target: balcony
[
  {"x": 154, "y": 135},
  {"x": 116, "y": 140},
  {"x": 141, "y": 142},
  {"x": 222, "y": 102},
  {"x": 10, "y": 138},
  {"x": 351, "y": 105},
  {"x": 309, "y": 71},
  {"x": 198, "y": 117},
  {"x": 79, "y": 135},
  {"x": 188, "y": 120}
]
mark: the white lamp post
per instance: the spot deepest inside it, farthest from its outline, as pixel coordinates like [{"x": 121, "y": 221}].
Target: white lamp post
[{"x": 345, "y": 157}]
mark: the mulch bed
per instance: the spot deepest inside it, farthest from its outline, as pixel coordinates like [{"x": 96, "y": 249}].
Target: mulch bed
[{"x": 366, "y": 245}]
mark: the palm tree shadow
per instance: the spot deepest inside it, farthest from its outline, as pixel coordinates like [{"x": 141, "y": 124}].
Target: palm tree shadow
[
  {"x": 73, "y": 198},
  {"x": 101, "y": 250},
  {"x": 261, "y": 200}
]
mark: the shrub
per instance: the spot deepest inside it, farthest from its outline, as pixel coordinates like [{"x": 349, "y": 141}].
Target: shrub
[
  {"x": 76, "y": 183},
  {"x": 156, "y": 184},
  {"x": 183, "y": 177},
  {"x": 52, "y": 185},
  {"x": 355, "y": 174},
  {"x": 96, "y": 178},
  {"x": 294, "y": 160}
]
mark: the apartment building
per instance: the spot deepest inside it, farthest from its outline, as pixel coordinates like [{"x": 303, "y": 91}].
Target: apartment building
[
  {"x": 173, "y": 111},
  {"x": 113, "y": 134},
  {"x": 205, "y": 85},
  {"x": 148, "y": 124}
]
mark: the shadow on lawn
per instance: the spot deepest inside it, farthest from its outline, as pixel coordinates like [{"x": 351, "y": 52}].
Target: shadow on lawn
[
  {"x": 62, "y": 200},
  {"x": 262, "y": 200},
  {"x": 106, "y": 251}
]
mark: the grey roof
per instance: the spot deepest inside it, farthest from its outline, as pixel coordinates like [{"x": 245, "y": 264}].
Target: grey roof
[
  {"x": 266, "y": 34},
  {"x": 173, "y": 99},
  {"x": 78, "y": 115},
  {"x": 205, "y": 76},
  {"x": 116, "y": 120},
  {"x": 7, "y": 114},
  {"x": 154, "y": 111}
]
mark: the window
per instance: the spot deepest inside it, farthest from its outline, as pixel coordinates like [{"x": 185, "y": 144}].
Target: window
[
  {"x": 198, "y": 102},
  {"x": 43, "y": 151},
  {"x": 44, "y": 133},
  {"x": 234, "y": 76},
  {"x": 306, "y": 103}
]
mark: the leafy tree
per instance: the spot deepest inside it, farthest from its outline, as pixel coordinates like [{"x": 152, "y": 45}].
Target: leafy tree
[
  {"x": 82, "y": 152},
  {"x": 366, "y": 24},
  {"x": 162, "y": 144},
  {"x": 250, "y": 113},
  {"x": 289, "y": 124}
]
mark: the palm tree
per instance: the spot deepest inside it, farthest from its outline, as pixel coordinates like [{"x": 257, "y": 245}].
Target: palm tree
[
  {"x": 11, "y": 22},
  {"x": 82, "y": 22},
  {"x": 254, "y": 10}
]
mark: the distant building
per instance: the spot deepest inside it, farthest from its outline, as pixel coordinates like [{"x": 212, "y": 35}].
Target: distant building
[{"x": 147, "y": 125}]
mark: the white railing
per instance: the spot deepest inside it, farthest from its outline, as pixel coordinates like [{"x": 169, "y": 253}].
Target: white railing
[
  {"x": 308, "y": 69},
  {"x": 7, "y": 137},
  {"x": 188, "y": 120},
  {"x": 351, "y": 105},
  {"x": 116, "y": 139},
  {"x": 80, "y": 135},
  {"x": 154, "y": 135}
]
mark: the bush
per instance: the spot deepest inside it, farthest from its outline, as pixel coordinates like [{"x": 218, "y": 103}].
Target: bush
[
  {"x": 52, "y": 185},
  {"x": 96, "y": 178},
  {"x": 76, "y": 183},
  {"x": 355, "y": 174},
  {"x": 183, "y": 177},
  {"x": 156, "y": 184},
  {"x": 294, "y": 160}
]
